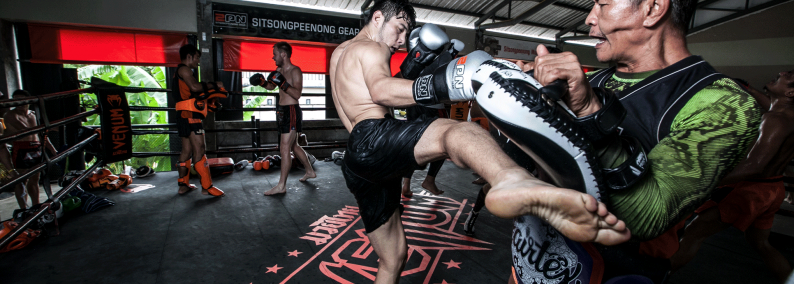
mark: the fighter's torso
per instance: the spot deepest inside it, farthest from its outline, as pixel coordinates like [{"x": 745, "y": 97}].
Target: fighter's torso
[
  {"x": 351, "y": 96},
  {"x": 17, "y": 122},
  {"x": 785, "y": 154},
  {"x": 182, "y": 90},
  {"x": 290, "y": 73}
]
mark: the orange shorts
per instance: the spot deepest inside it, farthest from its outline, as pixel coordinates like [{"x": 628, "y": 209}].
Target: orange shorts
[{"x": 752, "y": 202}]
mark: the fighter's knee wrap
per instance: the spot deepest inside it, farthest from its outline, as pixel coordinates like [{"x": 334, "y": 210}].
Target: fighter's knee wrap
[
  {"x": 203, "y": 170},
  {"x": 540, "y": 126}
]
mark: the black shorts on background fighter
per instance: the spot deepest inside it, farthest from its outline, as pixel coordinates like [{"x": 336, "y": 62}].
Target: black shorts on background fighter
[
  {"x": 289, "y": 117},
  {"x": 379, "y": 153}
]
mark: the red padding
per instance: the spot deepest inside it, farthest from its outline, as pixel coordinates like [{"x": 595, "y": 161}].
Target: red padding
[
  {"x": 243, "y": 55},
  {"x": 397, "y": 59},
  {"x": 54, "y": 44}
]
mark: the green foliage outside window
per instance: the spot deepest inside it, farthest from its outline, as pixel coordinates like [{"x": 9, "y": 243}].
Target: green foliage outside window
[
  {"x": 133, "y": 76},
  {"x": 255, "y": 101}
]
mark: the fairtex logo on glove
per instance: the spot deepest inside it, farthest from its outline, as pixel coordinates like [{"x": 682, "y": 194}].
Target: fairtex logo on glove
[{"x": 460, "y": 69}]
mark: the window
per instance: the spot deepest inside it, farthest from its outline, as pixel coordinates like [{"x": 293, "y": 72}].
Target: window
[{"x": 313, "y": 90}]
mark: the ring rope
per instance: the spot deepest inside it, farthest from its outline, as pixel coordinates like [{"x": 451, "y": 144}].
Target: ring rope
[{"x": 46, "y": 205}]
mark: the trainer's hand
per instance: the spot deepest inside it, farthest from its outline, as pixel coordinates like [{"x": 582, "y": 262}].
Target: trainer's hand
[
  {"x": 565, "y": 66},
  {"x": 525, "y": 66}
]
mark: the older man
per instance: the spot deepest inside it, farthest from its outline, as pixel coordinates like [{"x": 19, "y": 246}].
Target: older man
[{"x": 694, "y": 124}]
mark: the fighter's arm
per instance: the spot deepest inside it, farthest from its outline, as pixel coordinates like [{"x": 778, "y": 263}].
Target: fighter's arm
[
  {"x": 707, "y": 138},
  {"x": 187, "y": 75},
  {"x": 295, "y": 83},
  {"x": 774, "y": 130},
  {"x": 384, "y": 89},
  {"x": 31, "y": 120},
  {"x": 269, "y": 85}
]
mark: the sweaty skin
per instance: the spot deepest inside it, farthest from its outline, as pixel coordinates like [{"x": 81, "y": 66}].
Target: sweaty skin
[
  {"x": 774, "y": 148},
  {"x": 364, "y": 89}
]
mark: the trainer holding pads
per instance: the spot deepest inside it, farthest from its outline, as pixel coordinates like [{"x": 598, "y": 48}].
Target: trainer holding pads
[
  {"x": 381, "y": 149},
  {"x": 194, "y": 100},
  {"x": 694, "y": 123}
]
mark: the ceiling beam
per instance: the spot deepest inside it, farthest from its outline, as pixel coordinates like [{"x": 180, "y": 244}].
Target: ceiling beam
[
  {"x": 734, "y": 15},
  {"x": 519, "y": 18},
  {"x": 477, "y": 15},
  {"x": 491, "y": 13}
]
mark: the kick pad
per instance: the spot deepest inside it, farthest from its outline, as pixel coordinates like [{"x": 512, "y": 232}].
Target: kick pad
[
  {"x": 220, "y": 166},
  {"x": 538, "y": 124}
]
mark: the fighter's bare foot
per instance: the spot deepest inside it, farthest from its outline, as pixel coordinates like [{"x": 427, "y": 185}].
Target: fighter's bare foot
[
  {"x": 308, "y": 175},
  {"x": 431, "y": 187},
  {"x": 576, "y": 215},
  {"x": 278, "y": 189}
]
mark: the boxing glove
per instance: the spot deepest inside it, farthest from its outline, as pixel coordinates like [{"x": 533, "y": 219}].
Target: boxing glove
[
  {"x": 279, "y": 80},
  {"x": 257, "y": 80},
  {"x": 455, "y": 47},
  {"x": 424, "y": 45},
  {"x": 450, "y": 82}
]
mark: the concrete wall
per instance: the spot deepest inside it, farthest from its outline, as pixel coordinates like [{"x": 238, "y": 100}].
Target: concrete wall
[
  {"x": 754, "y": 48},
  {"x": 171, "y": 15}
]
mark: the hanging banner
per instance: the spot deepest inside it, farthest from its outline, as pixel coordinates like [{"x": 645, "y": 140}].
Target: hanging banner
[
  {"x": 510, "y": 48},
  {"x": 115, "y": 118},
  {"x": 237, "y": 20}
]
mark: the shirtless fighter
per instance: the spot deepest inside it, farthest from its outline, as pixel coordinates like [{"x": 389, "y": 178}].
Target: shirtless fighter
[
  {"x": 381, "y": 149},
  {"x": 26, "y": 151},
  {"x": 289, "y": 80}
]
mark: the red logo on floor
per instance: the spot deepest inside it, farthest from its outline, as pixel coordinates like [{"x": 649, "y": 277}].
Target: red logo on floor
[{"x": 346, "y": 256}]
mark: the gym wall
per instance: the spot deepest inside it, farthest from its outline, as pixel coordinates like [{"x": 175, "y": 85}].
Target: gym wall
[
  {"x": 171, "y": 15},
  {"x": 754, "y": 48}
]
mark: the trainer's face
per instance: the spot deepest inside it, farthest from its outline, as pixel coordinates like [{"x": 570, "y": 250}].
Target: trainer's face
[
  {"x": 780, "y": 85},
  {"x": 193, "y": 60},
  {"x": 394, "y": 32},
  {"x": 278, "y": 57},
  {"x": 617, "y": 25}
]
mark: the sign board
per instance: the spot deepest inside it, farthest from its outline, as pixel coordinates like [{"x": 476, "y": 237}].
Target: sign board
[
  {"x": 510, "y": 48},
  {"x": 237, "y": 20}
]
